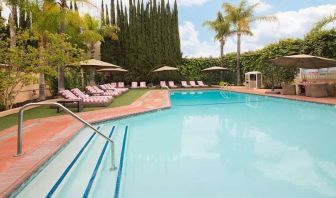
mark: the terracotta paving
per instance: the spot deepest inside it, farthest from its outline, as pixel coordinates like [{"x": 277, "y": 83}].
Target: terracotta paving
[
  {"x": 329, "y": 100},
  {"x": 44, "y": 137}
]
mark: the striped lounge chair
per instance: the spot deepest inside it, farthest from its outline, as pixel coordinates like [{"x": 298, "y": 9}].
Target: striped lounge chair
[
  {"x": 80, "y": 94},
  {"x": 93, "y": 101}
]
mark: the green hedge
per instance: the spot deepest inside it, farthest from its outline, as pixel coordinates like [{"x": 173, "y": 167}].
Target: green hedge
[{"x": 319, "y": 44}]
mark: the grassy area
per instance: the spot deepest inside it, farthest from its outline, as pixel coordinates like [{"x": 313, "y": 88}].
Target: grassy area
[{"x": 41, "y": 112}]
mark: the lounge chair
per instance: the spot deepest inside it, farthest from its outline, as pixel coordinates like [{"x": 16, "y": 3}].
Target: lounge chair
[
  {"x": 288, "y": 90},
  {"x": 87, "y": 101},
  {"x": 201, "y": 84},
  {"x": 143, "y": 85},
  {"x": 172, "y": 84},
  {"x": 95, "y": 91},
  {"x": 134, "y": 85},
  {"x": 193, "y": 84},
  {"x": 184, "y": 84},
  {"x": 163, "y": 85},
  {"x": 113, "y": 91},
  {"x": 114, "y": 85},
  {"x": 121, "y": 85},
  {"x": 80, "y": 94}
]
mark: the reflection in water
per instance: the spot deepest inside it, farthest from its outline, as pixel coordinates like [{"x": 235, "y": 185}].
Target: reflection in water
[
  {"x": 291, "y": 164},
  {"x": 199, "y": 136}
]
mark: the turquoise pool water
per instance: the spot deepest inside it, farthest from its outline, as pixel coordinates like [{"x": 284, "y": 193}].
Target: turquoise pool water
[
  {"x": 218, "y": 144},
  {"x": 210, "y": 144}
]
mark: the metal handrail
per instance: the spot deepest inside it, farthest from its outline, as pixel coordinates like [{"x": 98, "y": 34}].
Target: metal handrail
[{"x": 20, "y": 128}]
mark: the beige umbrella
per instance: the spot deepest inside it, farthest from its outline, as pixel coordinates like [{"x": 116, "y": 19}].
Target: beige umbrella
[
  {"x": 305, "y": 61},
  {"x": 93, "y": 64},
  {"x": 113, "y": 70},
  {"x": 116, "y": 70},
  {"x": 165, "y": 68},
  {"x": 215, "y": 68},
  {"x": 97, "y": 64}
]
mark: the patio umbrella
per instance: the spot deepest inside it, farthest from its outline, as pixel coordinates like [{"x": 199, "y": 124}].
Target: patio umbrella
[
  {"x": 305, "y": 61},
  {"x": 97, "y": 64},
  {"x": 216, "y": 68},
  {"x": 165, "y": 68},
  {"x": 92, "y": 65},
  {"x": 112, "y": 70}
]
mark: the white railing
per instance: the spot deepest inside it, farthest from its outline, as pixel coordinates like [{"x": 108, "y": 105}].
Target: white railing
[{"x": 317, "y": 76}]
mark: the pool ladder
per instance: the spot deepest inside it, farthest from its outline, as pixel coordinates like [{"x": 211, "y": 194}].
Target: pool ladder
[{"x": 20, "y": 128}]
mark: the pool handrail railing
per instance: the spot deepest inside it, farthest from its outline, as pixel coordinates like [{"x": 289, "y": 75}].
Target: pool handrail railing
[{"x": 20, "y": 128}]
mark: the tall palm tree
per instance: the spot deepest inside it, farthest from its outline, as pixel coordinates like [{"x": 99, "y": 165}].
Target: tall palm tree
[
  {"x": 94, "y": 33},
  {"x": 221, "y": 26},
  {"x": 242, "y": 16},
  {"x": 46, "y": 17},
  {"x": 62, "y": 29}
]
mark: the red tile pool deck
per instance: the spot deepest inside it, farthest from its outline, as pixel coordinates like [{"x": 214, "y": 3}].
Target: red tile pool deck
[{"x": 44, "y": 137}]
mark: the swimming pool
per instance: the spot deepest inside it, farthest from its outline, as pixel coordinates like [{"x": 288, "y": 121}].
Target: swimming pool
[{"x": 209, "y": 144}]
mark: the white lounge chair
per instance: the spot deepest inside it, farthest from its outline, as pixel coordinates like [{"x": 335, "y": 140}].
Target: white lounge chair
[
  {"x": 201, "y": 84},
  {"x": 172, "y": 84},
  {"x": 163, "y": 85},
  {"x": 185, "y": 84},
  {"x": 143, "y": 85},
  {"x": 193, "y": 84},
  {"x": 134, "y": 85},
  {"x": 121, "y": 85}
]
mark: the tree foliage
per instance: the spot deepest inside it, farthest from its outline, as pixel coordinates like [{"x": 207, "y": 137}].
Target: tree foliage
[{"x": 148, "y": 37}]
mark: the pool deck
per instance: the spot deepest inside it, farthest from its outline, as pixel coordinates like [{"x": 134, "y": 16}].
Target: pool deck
[
  {"x": 45, "y": 136},
  {"x": 327, "y": 101}
]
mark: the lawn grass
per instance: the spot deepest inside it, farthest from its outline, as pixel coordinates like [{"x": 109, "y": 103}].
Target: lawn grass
[{"x": 41, "y": 112}]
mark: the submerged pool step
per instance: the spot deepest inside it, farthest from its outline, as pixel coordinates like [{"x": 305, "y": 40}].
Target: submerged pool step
[
  {"x": 83, "y": 168},
  {"x": 74, "y": 184},
  {"x": 59, "y": 166},
  {"x": 106, "y": 183}
]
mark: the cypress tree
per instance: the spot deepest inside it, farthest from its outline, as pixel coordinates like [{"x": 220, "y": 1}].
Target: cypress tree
[
  {"x": 148, "y": 36},
  {"x": 76, "y": 7},
  {"x": 113, "y": 21},
  {"x": 71, "y": 5},
  {"x": 22, "y": 14},
  {"x": 107, "y": 16},
  {"x": 102, "y": 15}
]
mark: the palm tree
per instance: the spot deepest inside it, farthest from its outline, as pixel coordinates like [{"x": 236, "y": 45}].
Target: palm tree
[
  {"x": 241, "y": 17},
  {"x": 45, "y": 20},
  {"x": 222, "y": 28},
  {"x": 322, "y": 23},
  {"x": 94, "y": 33},
  {"x": 62, "y": 29},
  {"x": 12, "y": 20}
]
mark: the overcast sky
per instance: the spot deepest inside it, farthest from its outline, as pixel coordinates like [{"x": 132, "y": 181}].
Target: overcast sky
[{"x": 295, "y": 18}]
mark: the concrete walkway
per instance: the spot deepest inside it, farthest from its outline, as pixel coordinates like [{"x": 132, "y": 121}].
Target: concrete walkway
[{"x": 44, "y": 137}]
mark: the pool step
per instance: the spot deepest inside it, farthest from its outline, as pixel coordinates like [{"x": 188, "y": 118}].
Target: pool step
[
  {"x": 107, "y": 183},
  {"x": 75, "y": 182},
  {"x": 81, "y": 165}
]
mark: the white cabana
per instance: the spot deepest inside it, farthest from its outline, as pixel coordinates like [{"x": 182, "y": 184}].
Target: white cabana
[{"x": 253, "y": 79}]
